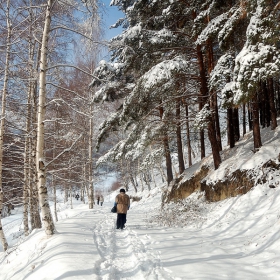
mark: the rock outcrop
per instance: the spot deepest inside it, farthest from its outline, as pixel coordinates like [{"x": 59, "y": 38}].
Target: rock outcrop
[{"x": 235, "y": 183}]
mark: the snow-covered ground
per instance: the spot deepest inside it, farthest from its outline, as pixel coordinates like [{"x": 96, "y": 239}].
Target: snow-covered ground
[{"x": 237, "y": 238}]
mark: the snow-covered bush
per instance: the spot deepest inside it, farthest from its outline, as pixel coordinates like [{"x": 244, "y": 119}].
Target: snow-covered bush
[{"x": 190, "y": 211}]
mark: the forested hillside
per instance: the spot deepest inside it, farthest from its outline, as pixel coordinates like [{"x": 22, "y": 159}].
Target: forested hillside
[{"x": 189, "y": 75}]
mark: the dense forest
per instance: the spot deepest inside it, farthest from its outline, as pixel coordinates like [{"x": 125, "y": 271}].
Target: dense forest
[
  {"x": 185, "y": 79},
  {"x": 189, "y": 73}
]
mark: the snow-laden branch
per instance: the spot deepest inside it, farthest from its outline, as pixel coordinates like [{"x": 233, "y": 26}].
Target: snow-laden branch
[{"x": 65, "y": 150}]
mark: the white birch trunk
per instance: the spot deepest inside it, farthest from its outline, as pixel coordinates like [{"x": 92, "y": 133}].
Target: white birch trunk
[
  {"x": 25, "y": 207},
  {"x": 40, "y": 163},
  {"x": 34, "y": 203},
  {"x": 2, "y": 122},
  {"x": 83, "y": 191},
  {"x": 54, "y": 200},
  {"x": 90, "y": 179},
  {"x": 27, "y": 188},
  {"x": 2, "y": 236}
]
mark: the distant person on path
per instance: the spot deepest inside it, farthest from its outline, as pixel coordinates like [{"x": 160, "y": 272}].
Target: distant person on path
[
  {"x": 77, "y": 196},
  {"x": 122, "y": 202},
  {"x": 101, "y": 200},
  {"x": 98, "y": 198}
]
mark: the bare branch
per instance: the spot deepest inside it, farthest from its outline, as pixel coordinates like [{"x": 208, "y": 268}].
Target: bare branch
[
  {"x": 73, "y": 66},
  {"x": 105, "y": 43},
  {"x": 66, "y": 89},
  {"x": 65, "y": 150}
]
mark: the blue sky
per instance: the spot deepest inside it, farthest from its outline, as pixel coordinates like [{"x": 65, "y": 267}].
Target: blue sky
[{"x": 110, "y": 16}]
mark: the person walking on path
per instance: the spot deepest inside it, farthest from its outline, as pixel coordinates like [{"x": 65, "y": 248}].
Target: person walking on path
[
  {"x": 101, "y": 199},
  {"x": 122, "y": 202},
  {"x": 98, "y": 198}
]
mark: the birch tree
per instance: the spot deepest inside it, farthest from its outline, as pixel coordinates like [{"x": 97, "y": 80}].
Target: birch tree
[
  {"x": 3, "y": 114},
  {"x": 40, "y": 161}
]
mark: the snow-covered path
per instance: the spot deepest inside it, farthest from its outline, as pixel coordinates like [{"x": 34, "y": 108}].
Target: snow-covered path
[
  {"x": 123, "y": 254},
  {"x": 238, "y": 238},
  {"x": 87, "y": 246}
]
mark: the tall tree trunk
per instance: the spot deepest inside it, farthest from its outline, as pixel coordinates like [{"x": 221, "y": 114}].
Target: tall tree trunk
[
  {"x": 2, "y": 236},
  {"x": 214, "y": 144},
  {"x": 250, "y": 122},
  {"x": 236, "y": 124},
  {"x": 267, "y": 107},
  {"x": 213, "y": 94},
  {"x": 26, "y": 166},
  {"x": 217, "y": 120},
  {"x": 166, "y": 153},
  {"x": 25, "y": 209},
  {"x": 179, "y": 137},
  {"x": 244, "y": 118},
  {"x": 90, "y": 178},
  {"x": 140, "y": 175},
  {"x": 278, "y": 98},
  {"x": 35, "y": 218},
  {"x": 56, "y": 126},
  {"x": 54, "y": 199},
  {"x": 262, "y": 102},
  {"x": 188, "y": 135},
  {"x": 28, "y": 184},
  {"x": 132, "y": 182},
  {"x": 272, "y": 104},
  {"x": 265, "y": 104},
  {"x": 147, "y": 180},
  {"x": 84, "y": 183},
  {"x": 202, "y": 95},
  {"x": 40, "y": 161},
  {"x": 3, "y": 116},
  {"x": 203, "y": 90},
  {"x": 256, "y": 123},
  {"x": 230, "y": 128},
  {"x": 211, "y": 126}
]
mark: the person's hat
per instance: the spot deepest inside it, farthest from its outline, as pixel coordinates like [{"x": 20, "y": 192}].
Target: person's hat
[{"x": 122, "y": 190}]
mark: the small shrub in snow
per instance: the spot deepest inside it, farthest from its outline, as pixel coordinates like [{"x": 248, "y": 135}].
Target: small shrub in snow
[
  {"x": 189, "y": 211},
  {"x": 135, "y": 198}
]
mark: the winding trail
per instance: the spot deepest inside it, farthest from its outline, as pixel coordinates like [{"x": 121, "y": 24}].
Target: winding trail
[{"x": 123, "y": 255}]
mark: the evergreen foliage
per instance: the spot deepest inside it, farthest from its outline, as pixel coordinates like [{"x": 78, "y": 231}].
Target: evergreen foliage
[{"x": 202, "y": 54}]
